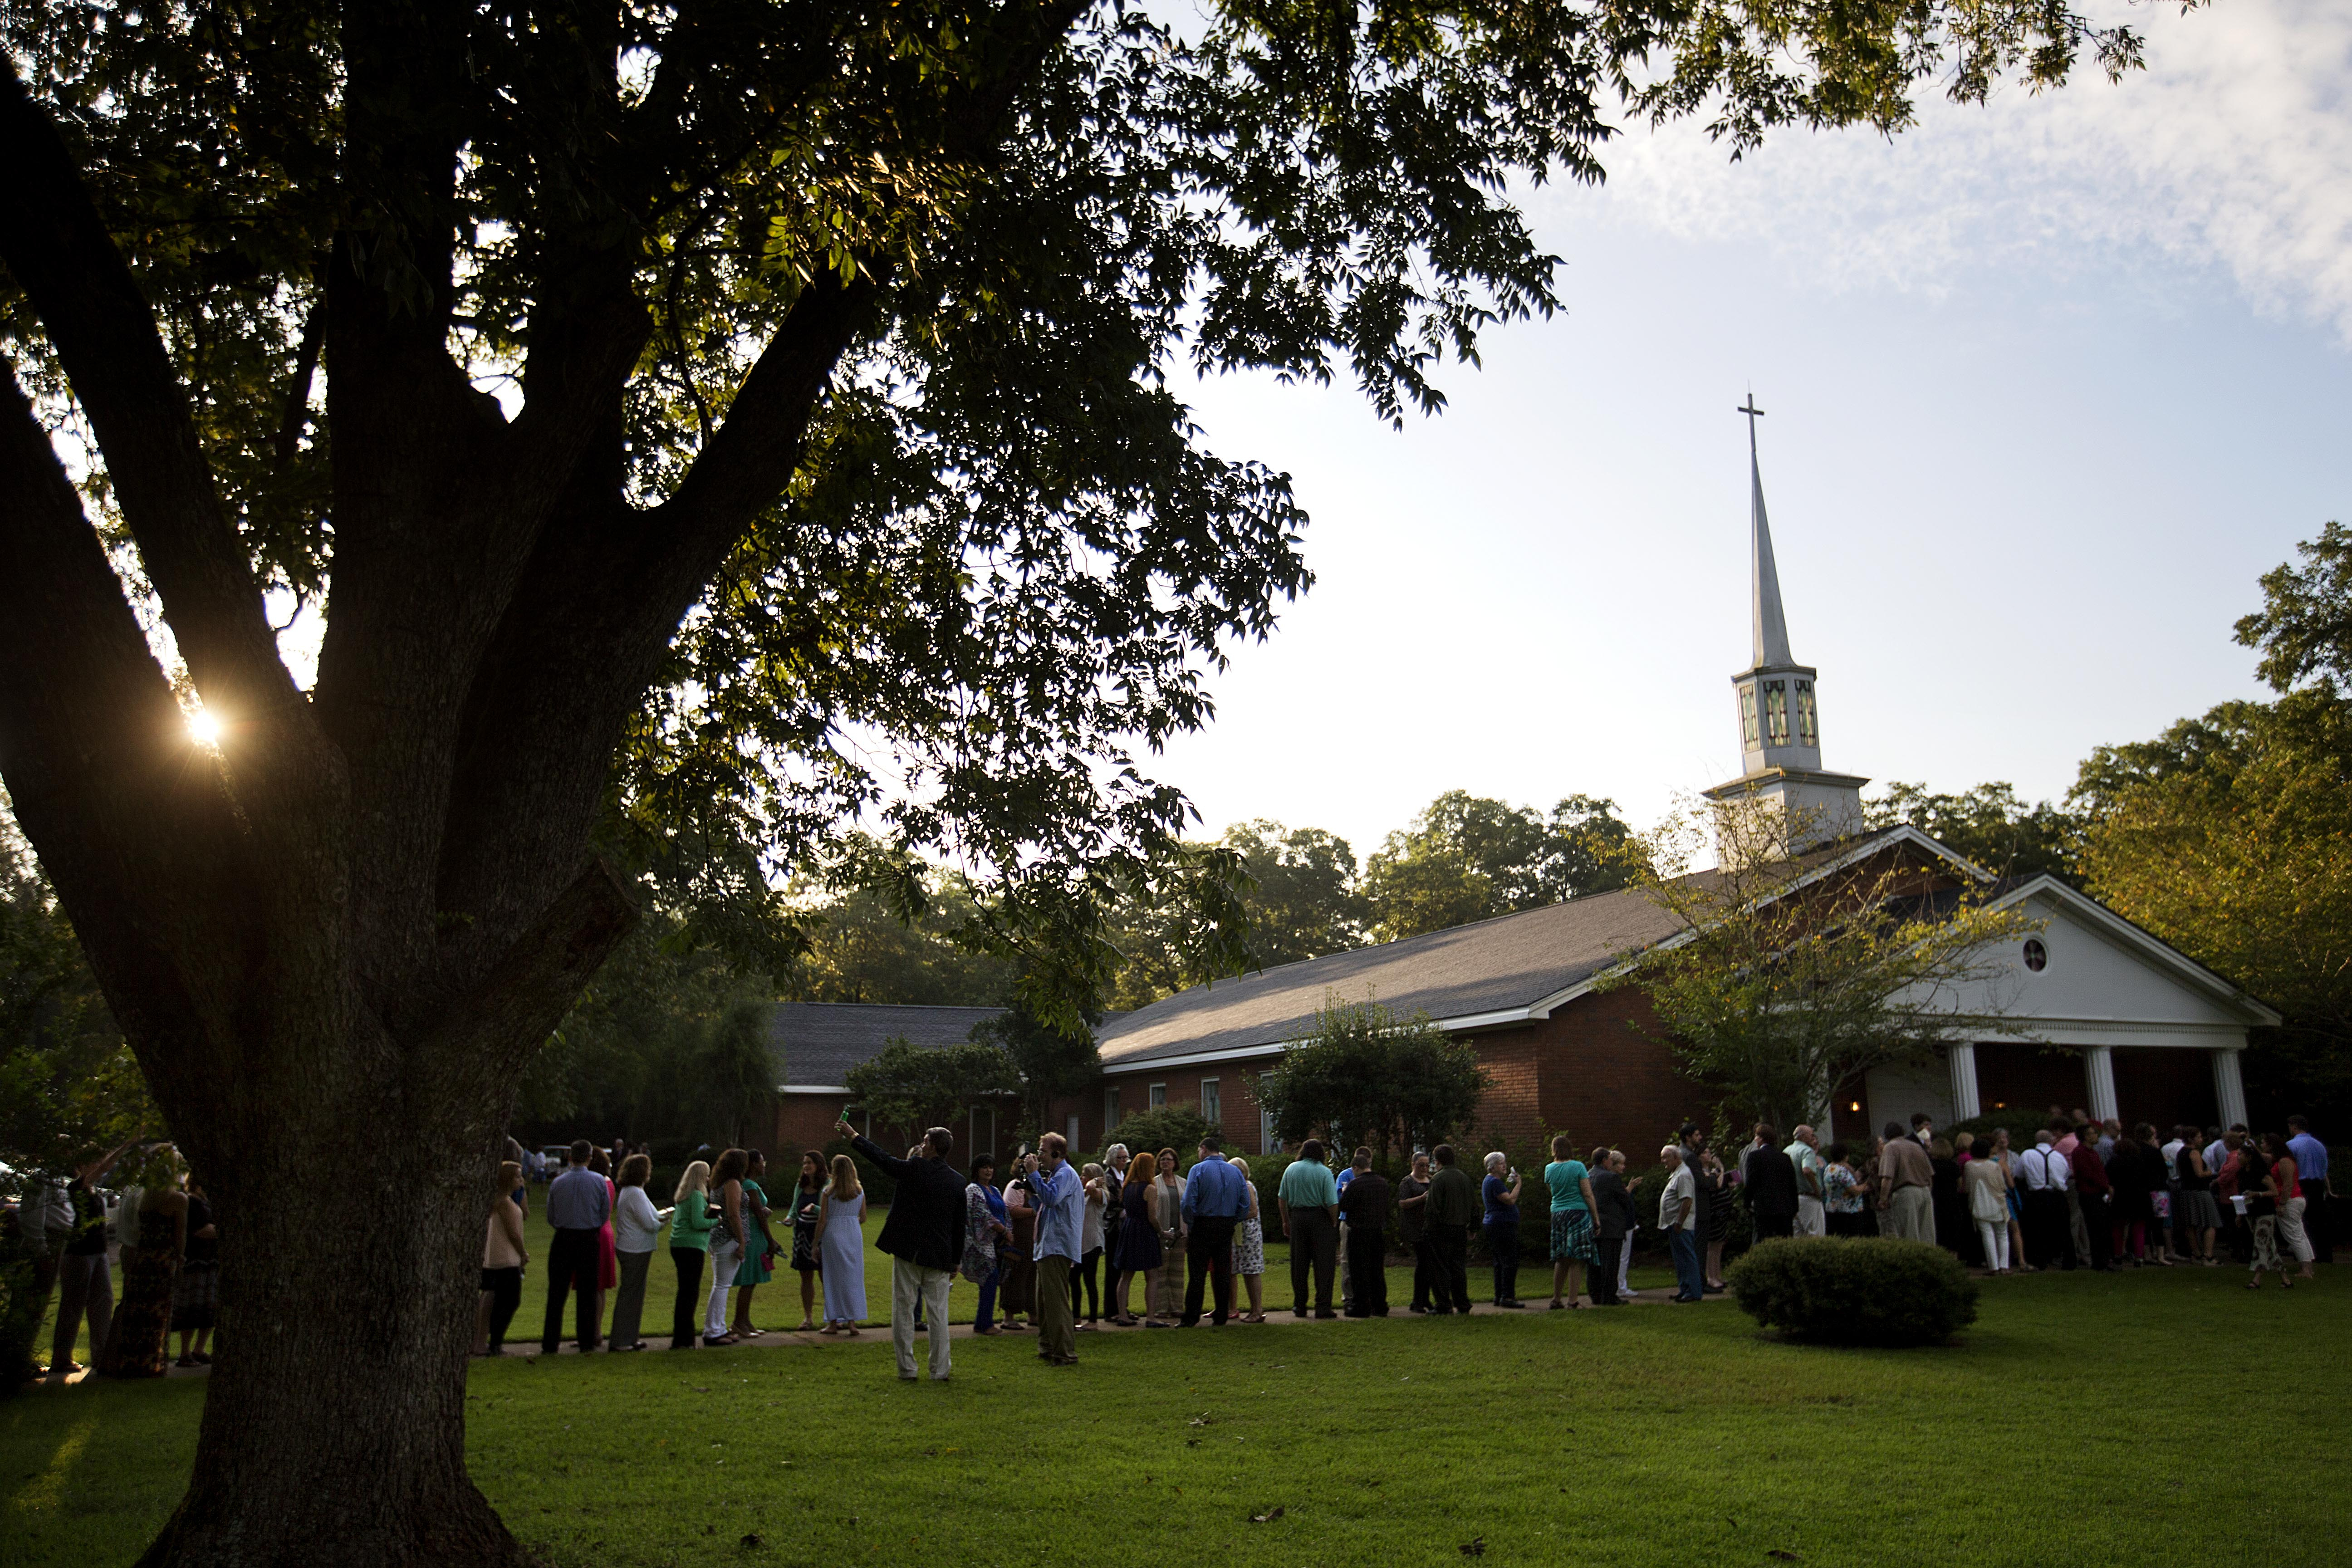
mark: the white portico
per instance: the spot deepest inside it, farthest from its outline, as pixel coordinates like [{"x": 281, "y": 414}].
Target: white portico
[{"x": 2088, "y": 991}]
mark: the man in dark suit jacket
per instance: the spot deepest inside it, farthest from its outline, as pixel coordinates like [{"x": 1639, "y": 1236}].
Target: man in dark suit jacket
[
  {"x": 924, "y": 1236},
  {"x": 1613, "y": 1225},
  {"x": 1770, "y": 1178}
]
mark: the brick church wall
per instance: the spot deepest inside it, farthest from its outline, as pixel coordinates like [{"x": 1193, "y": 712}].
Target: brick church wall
[
  {"x": 1595, "y": 1069},
  {"x": 1237, "y": 1117},
  {"x": 805, "y": 1121},
  {"x": 1608, "y": 1077}
]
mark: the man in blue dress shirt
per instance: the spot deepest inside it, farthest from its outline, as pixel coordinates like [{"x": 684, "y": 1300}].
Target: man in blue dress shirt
[
  {"x": 1061, "y": 1200},
  {"x": 578, "y": 1204},
  {"x": 2311, "y": 1171},
  {"x": 1216, "y": 1199}
]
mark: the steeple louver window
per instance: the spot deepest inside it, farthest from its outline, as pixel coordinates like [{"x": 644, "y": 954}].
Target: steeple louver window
[
  {"x": 1808, "y": 729},
  {"x": 1776, "y": 713}
]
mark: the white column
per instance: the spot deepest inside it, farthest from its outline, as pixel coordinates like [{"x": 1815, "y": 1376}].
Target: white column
[
  {"x": 2229, "y": 1088},
  {"x": 2099, "y": 1079},
  {"x": 1965, "y": 1104}
]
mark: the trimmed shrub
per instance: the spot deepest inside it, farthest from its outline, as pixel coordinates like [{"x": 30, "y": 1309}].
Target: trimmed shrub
[
  {"x": 1179, "y": 1126},
  {"x": 1864, "y": 1290}
]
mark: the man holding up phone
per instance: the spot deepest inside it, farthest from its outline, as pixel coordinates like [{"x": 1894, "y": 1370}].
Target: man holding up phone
[{"x": 924, "y": 1236}]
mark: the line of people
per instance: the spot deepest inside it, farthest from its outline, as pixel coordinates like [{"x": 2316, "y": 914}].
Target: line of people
[
  {"x": 1059, "y": 1247},
  {"x": 720, "y": 1223},
  {"x": 2086, "y": 1193},
  {"x": 165, "y": 1237},
  {"x": 1194, "y": 1240}
]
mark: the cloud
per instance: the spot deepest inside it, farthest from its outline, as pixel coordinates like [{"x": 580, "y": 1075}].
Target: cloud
[{"x": 2232, "y": 150}]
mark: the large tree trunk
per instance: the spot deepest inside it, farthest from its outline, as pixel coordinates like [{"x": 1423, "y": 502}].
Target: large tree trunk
[
  {"x": 334, "y": 1423},
  {"x": 334, "y": 940}
]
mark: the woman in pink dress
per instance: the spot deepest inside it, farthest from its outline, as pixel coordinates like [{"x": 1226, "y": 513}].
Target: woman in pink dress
[{"x": 608, "y": 1257}]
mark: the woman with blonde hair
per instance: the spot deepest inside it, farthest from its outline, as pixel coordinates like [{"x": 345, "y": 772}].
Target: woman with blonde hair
[
  {"x": 1998, "y": 1150},
  {"x": 690, "y": 1249},
  {"x": 840, "y": 1232},
  {"x": 503, "y": 1256},
  {"x": 1138, "y": 1240},
  {"x": 1988, "y": 1200},
  {"x": 1249, "y": 1250}
]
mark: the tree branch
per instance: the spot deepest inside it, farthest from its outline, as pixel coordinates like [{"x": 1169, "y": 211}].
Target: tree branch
[
  {"x": 126, "y": 815},
  {"x": 608, "y": 584},
  {"x": 105, "y": 335},
  {"x": 524, "y": 994},
  {"x": 752, "y": 459}
]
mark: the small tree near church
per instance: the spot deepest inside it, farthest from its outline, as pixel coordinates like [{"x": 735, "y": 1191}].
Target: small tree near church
[
  {"x": 1366, "y": 1075},
  {"x": 1793, "y": 974},
  {"x": 907, "y": 1088}
]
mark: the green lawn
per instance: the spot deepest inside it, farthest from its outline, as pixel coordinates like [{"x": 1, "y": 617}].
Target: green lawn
[{"x": 2098, "y": 1417}]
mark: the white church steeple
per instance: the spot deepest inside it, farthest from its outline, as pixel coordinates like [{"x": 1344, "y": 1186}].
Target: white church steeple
[
  {"x": 1779, "y": 714},
  {"x": 1771, "y": 621}
]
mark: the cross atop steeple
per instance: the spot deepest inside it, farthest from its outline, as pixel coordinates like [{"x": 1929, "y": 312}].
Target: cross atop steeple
[{"x": 1772, "y": 622}]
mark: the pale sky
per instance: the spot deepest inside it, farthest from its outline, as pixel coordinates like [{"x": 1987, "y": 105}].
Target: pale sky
[{"x": 2049, "y": 384}]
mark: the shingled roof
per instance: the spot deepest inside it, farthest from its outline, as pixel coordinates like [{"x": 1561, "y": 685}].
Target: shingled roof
[
  {"x": 1462, "y": 977},
  {"x": 1500, "y": 965},
  {"x": 815, "y": 1044}
]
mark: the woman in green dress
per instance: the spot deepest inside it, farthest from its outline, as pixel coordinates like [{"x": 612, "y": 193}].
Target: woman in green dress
[{"x": 760, "y": 1253}]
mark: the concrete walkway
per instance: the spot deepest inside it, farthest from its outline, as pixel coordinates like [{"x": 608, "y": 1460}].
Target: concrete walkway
[{"x": 879, "y": 1333}]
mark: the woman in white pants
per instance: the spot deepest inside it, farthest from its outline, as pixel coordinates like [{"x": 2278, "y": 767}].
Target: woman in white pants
[
  {"x": 726, "y": 1242},
  {"x": 1989, "y": 1206}
]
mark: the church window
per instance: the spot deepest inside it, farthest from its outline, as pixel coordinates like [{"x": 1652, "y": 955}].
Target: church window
[
  {"x": 1809, "y": 731},
  {"x": 1748, "y": 717},
  {"x": 2037, "y": 957},
  {"x": 1776, "y": 713}
]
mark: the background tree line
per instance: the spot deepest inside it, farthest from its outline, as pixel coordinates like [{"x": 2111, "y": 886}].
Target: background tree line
[
  {"x": 2225, "y": 834},
  {"x": 1301, "y": 892}
]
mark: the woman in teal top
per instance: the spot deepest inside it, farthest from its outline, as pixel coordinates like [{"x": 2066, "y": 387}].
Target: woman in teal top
[
  {"x": 1571, "y": 1221},
  {"x": 754, "y": 1269},
  {"x": 690, "y": 1249}
]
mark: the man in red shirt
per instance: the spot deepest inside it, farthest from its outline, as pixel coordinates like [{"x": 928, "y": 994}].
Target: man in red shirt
[{"x": 2097, "y": 1194}]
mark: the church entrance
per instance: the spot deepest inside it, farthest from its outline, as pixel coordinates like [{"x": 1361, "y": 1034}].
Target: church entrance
[
  {"x": 2165, "y": 1087},
  {"x": 2017, "y": 1075}
]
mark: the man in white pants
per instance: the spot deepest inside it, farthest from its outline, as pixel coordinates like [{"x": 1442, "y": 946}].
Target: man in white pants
[
  {"x": 1624, "y": 1253},
  {"x": 924, "y": 1236},
  {"x": 1804, "y": 1152}
]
